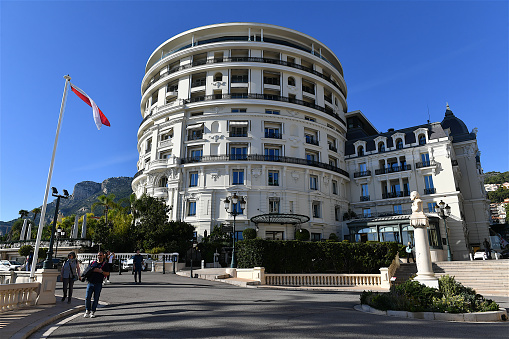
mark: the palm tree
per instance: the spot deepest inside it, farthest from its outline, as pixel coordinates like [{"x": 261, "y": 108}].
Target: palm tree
[
  {"x": 35, "y": 211},
  {"x": 23, "y": 213},
  {"x": 106, "y": 202}
]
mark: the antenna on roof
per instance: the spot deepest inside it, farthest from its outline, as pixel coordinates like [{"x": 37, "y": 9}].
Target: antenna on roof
[{"x": 429, "y": 117}]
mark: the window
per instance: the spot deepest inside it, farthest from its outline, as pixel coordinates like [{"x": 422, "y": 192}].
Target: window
[
  {"x": 239, "y": 110},
  {"x": 362, "y": 167},
  {"x": 422, "y": 139},
  {"x": 148, "y": 148},
  {"x": 238, "y": 131},
  {"x": 316, "y": 236},
  {"x": 381, "y": 147},
  {"x": 273, "y": 132},
  {"x": 238, "y": 177},
  {"x": 193, "y": 179},
  {"x": 333, "y": 162},
  {"x": 273, "y": 177},
  {"x": 397, "y": 209},
  {"x": 313, "y": 182},
  {"x": 360, "y": 151},
  {"x": 337, "y": 213},
  {"x": 425, "y": 159},
  {"x": 154, "y": 97},
  {"x": 309, "y": 119},
  {"x": 238, "y": 152},
  {"x": 271, "y": 111},
  {"x": 311, "y": 156},
  {"x": 196, "y": 153},
  {"x": 399, "y": 143},
  {"x": 195, "y": 114},
  {"x": 218, "y": 77},
  {"x": 191, "y": 208},
  {"x": 167, "y": 136},
  {"x": 163, "y": 182},
  {"x": 272, "y": 153},
  {"x": 195, "y": 134},
  {"x": 165, "y": 155},
  {"x": 291, "y": 81},
  {"x": 311, "y": 138},
  {"x": 273, "y": 205},
  {"x": 236, "y": 208},
  {"x": 431, "y": 207},
  {"x": 364, "y": 190},
  {"x": 428, "y": 183},
  {"x": 316, "y": 209},
  {"x": 366, "y": 212},
  {"x": 334, "y": 187}
]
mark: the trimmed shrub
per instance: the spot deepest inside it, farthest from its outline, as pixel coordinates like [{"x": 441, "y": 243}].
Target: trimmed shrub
[
  {"x": 249, "y": 233},
  {"x": 25, "y": 250},
  {"x": 302, "y": 235}
]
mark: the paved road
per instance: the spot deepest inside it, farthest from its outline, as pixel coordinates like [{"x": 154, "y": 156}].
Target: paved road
[{"x": 170, "y": 306}]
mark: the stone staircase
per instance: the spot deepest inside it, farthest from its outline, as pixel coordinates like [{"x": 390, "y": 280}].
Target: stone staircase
[{"x": 486, "y": 277}]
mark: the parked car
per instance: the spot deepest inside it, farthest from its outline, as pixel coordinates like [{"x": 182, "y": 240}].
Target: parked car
[
  {"x": 13, "y": 265},
  {"x": 4, "y": 268},
  {"x": 57, "y": 263},
  {"x": 147, "y": 263},
  {"x": 480, "y": 254}
]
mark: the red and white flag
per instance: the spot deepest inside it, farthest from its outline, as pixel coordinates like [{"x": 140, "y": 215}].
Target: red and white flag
[{"x": 99, "y": 118}]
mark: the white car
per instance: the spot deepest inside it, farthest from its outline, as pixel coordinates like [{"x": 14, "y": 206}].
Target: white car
[
  {"x": 481, "y": 255},
  {"x": 147, "y": 263},
  {"x": 13, "y": 265}
]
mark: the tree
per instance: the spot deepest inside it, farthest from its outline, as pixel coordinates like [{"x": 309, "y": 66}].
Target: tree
[
  {"x": 23, "y": 213},
  {"x": 35, "y": 211},
  {"x": 249, "y": 233},
  {"x": 106, "y": 202}
]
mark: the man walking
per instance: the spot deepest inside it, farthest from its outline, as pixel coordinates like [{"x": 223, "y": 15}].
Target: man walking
[
  {"x": 110, "y": 256},
  {"x": 137, "y": 266},
  {"x": 100, "y": 270}
]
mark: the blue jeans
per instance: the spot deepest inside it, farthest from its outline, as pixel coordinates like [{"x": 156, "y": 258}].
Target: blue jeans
[{"x": 96, "y": 290}]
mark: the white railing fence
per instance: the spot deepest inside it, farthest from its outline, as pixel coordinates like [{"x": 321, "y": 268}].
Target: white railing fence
[{"x": 17, "y": 295}]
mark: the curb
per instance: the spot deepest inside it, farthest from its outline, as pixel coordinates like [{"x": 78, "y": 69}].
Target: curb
[{"x": 492, "y": 316}]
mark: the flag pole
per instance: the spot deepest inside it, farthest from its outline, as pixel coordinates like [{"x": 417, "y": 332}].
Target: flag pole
[{"x": 48, "y": 183}]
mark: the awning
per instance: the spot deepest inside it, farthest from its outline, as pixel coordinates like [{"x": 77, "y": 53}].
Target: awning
[
  {"x": 276, "y": 218},
  {"x": 195, "y": 126},
  {"x": 238, "y": 123}
]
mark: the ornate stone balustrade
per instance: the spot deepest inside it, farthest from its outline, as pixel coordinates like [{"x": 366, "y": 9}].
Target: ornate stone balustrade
[
  {"x": 362, "y": 280},
  {"x": 13, "y": 296}
]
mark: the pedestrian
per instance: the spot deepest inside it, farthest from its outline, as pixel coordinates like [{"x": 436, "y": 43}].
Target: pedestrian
[
  {"x": 137, "y": 266},
  {"x": 100, "y": 270},
  {"x": 70, "y": 273},
  {"x": 111, "y": 257},
  {"x": 487, "y": 248},
  {"x": 409, "y": 252},
  {"x": 30, "y": 258}
]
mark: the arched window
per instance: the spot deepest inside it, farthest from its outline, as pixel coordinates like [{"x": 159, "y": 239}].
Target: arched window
[
  {"x": 291, "y": 81},
  {"x": 399, "y": 144},
  {"x": 360, "y": 150},
  {"x": 422, "y": 139},
  {"x": 163, "y": 182},
  {"x": 381, "y": 147},
  {"x": 218, "y": 76}
]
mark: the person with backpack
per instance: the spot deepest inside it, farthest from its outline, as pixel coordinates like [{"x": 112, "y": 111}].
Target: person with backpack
[
  {"x": 137, "y": 266},
  {"x": 95, "y": 274},
  {"x": 409, "y": 252},
  {"x": 70, "y": 272}
]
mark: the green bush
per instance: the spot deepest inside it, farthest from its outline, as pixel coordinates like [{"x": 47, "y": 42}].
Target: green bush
[
  {"x": 451, "y": 297},
  {"x": 249, "y": 233},
  {"x": 314, "y": 257},
  {"x": 302, "y": 235},
  {"x": 333, "y": 237},
  {"x": 25, "y": 250}
]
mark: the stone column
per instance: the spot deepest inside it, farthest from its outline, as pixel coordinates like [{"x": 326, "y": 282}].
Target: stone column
[
  {"x": 420, "y": 223},
  {"x": 48, "y": 280}
]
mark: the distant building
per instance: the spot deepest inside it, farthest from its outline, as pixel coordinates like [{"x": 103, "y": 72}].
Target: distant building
[
  {"x": 260, "y": 110},
  {"x": 491, "y": 187}
]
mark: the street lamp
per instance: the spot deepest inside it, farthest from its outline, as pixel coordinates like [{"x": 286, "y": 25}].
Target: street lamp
[
  {"x": 238, "y": 204},
  {"x": 48, "y": 263},
  {"x": 444, "y": 211},
  {"x": 60, "y": 234}
]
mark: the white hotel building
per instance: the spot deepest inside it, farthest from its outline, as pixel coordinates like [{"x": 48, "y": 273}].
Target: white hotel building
[{"x": 260, "y": 110}]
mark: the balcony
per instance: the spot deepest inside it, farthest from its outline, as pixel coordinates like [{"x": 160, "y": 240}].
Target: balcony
[
  {"x": 195, "y": 137},
  {"x": 261, "y": 157},
  {"x": 198, "y": 83},
  {"x": 362, "y": 174},
  {"x": 237, "y": 135},
  {"x": 262, "y": 97},
  {"x": 393, "y": 169},
  {"x": 382, "y": 214},
  {"x": 364, "y": 198},
  {"x": 423, "y": 164},
  {"x": 273, "y": 135},
  {"x": 308, "y": 89},
  {"x": 239, "y": 79},
  {"x": 397, "y": 194},
  {"x": 271, "y": 81},
  {"x": 430, "y": 190}
]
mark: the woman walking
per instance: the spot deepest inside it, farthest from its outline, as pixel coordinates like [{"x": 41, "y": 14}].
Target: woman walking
[{"x": 70, "y": 273}]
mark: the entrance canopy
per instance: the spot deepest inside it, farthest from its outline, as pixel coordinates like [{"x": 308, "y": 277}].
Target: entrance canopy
[{"x": 276, "y": 218}]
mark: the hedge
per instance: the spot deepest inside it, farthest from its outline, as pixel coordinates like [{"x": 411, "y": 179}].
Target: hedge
[{"x": 315, "y": 257}]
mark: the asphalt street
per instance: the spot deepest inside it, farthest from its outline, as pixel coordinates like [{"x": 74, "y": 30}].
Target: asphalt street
[{"x": 171, "y": 306}]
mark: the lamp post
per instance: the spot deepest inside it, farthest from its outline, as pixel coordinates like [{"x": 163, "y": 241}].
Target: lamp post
[
  {"x": 48, "y": 263},
  {"x": 238, "y": 204},
  {"x": 60, "y": 233},
  {"x": 444, "y": 211}
]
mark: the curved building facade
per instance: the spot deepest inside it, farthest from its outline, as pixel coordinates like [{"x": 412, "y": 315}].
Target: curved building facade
[{"x": 246, "y": 108}]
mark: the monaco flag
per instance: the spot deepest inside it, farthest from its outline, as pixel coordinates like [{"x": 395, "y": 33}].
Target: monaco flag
[{"x": 99, "y": 118}]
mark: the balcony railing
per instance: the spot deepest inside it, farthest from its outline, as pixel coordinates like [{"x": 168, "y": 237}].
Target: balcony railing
[
  {"x": 140, "y": 172},
  {"x": 430, "y": 190},
  {"x": 362, "y": 174},
  {"x": 425, "y": 164},
  {"x": 397, "y": 194},
  {"x": 308, "y": 89},
  {"x": 393, "y": 169},
  {"x": 198, "y": 83},
  {"x": 273, "y": 135},
  {"x": 364, "y": 198},
  {"x": 312, "y": 141},
  {"x": 238, "y": 135},
  {"x": 195, "y": 137},
  {"x": 382, "y": 214},
  {"x": 271, "y": 81},
  {"x": 247, "y": 59},
  {"x": 238, "y": 79},
  {"x": 261, "y": 157},
  {"x": 261, "y": 97}
]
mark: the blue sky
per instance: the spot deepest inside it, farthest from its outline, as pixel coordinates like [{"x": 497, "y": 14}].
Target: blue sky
[{"x": 400, "y": 60}]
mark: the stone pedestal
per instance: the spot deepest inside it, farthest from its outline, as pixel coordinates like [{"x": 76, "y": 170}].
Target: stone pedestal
[{"x": 48, "y": 280}]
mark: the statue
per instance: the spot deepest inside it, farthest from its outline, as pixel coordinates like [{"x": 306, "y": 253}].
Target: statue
[{"x": 418, "y": 218}]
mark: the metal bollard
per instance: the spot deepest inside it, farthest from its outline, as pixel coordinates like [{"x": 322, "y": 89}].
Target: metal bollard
[{"x": 164, "y": 264}]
